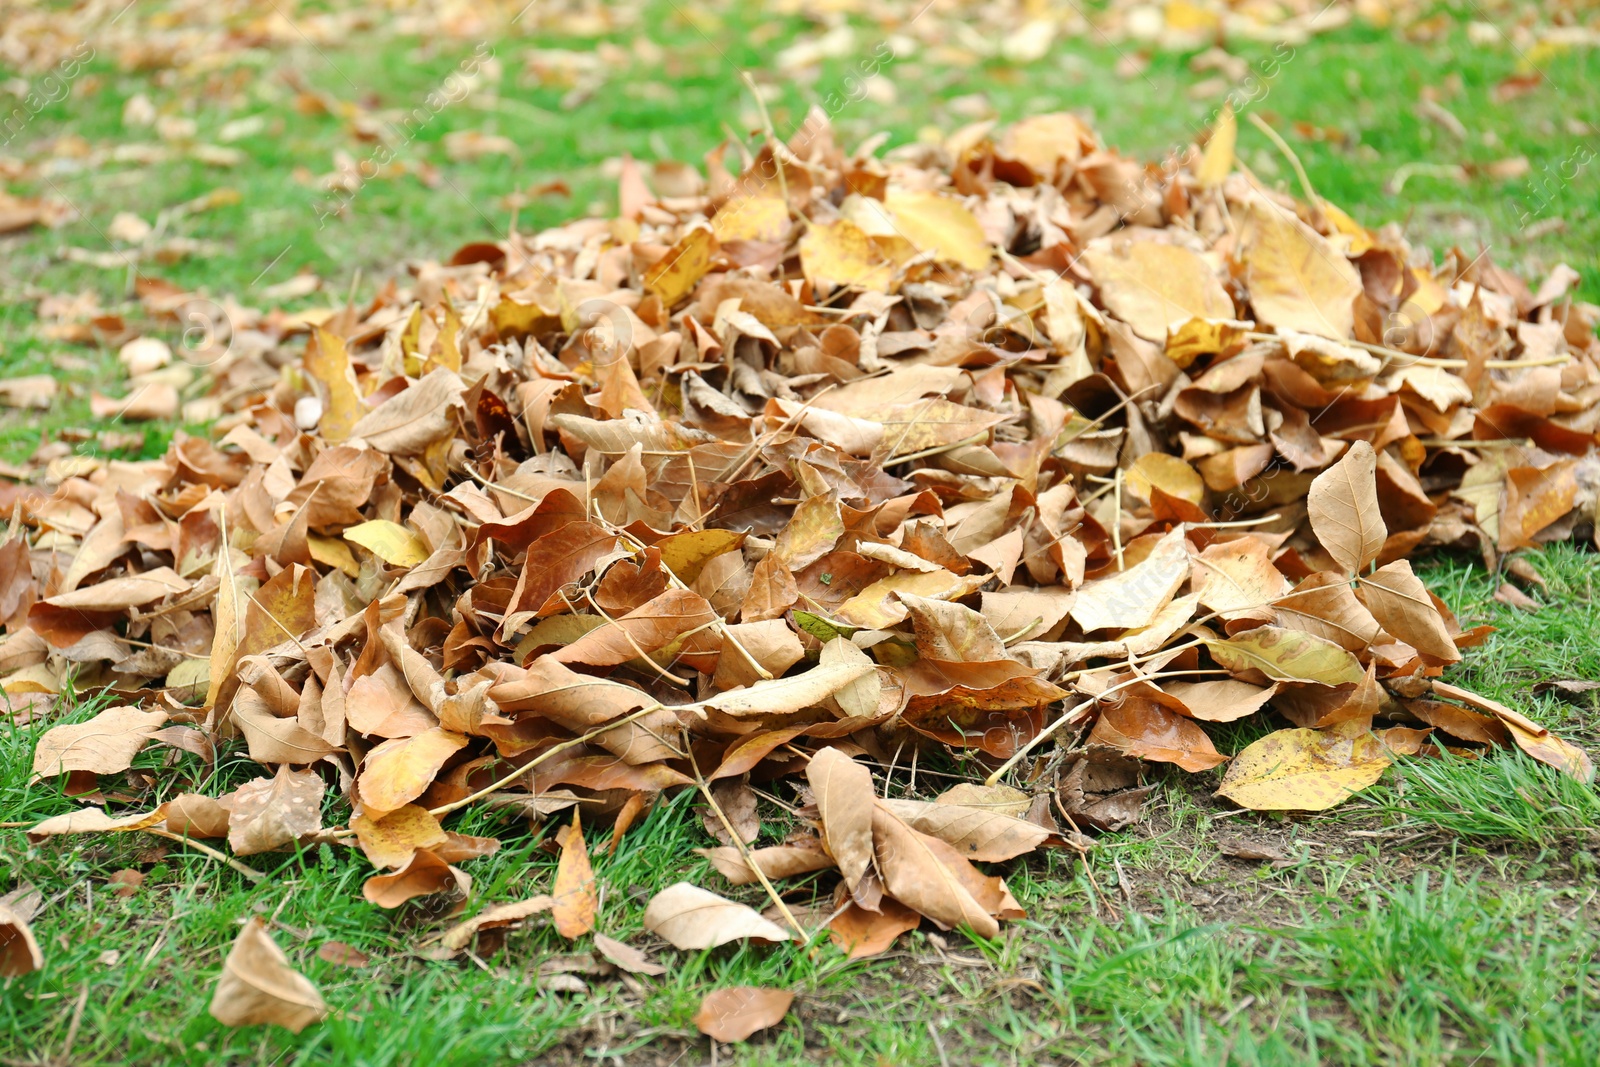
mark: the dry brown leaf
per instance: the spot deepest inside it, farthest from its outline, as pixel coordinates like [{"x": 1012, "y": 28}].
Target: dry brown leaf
[
  {"x": 426, "y": 874},
  {"x": 777, "y": 861},
  {"x": 844, "y": 796},
  {"x": 392, "y": 840},
  {"x": 1343, "y": 503},
  {"x": 397, "y": 772},
  {"x": 923, "y": 873},
  {"x": 494, "y": 917},
  {"x": 1399, "y": 601},
  {"x": 862, "y": 933},
  {"x": 976, "y": 833},
  {"x": 258, "y": 986},
  {"x": 735, "y": 1013},
  {"x": 268, "y": 814}
]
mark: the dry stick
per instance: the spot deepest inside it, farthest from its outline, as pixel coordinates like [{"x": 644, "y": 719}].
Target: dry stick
[
  {"x": 456, "y": 805},
  {"x": 1294, "y": 160},
  {"x": 727, "y": 633},
  {"x": 1116, "y": 516},
  {"x": 668, "y": 675},
  {"x": 925, "y": 453},
  {"x": 753, "y": 449},
  {"x": 744, "y": 850},
  {"x": 249, "y": 872},
  {"x": 161, "y": 648},
  {"x": 772, "y": 137},
  {"x": 1504, "y": 442}
]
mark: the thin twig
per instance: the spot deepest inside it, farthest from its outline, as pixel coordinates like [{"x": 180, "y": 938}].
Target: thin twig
[
  {"x": 206, "y": 850},
  {"x": 744, "y": 850},
  {"x": 456, "y": 805}
]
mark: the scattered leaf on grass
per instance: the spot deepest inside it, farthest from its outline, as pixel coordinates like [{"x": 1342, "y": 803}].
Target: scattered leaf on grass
[
  {"x": 258, "y": 986},
  {"x": 735, "y": 1013}
]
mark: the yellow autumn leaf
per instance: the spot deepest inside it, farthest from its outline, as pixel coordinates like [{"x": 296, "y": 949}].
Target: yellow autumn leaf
[
  {"x": 1205, "y": 337},
  {"x": 1217, "y": 162},
  {"x": 1168, "y": 473},
  {"x": 332, "y": 552},
  {"x": 1287, "y": 656},
  {"x": 686, "y": 554},
  {"x": 1306, "y": 770},
  {"x": 328, "y": 361},
  {"x": 841, "y": 253},
  {"x": 399, "y": 771},
  {"x": 1155, "y": 287},
  {"x": 389, "y": 541},
  {"x": 758, "y": 216},
  {"x": 1297, "y": 279},
  {"x": 675, "y": 274},
  {"x": 941, "y": 225}
]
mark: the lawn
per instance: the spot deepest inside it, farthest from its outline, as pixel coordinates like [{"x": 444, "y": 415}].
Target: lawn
[{"x": 1447, "y": 915}]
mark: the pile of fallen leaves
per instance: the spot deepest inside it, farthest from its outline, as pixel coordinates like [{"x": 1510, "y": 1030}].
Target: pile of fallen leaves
[{"x": 780, "y": 482}]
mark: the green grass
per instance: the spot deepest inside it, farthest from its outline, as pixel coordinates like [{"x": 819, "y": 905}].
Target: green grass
[{"x": 1447, "y": 917}]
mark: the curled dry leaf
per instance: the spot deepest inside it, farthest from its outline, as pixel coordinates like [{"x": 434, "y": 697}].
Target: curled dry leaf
[
  {"x": 494, "y": 917},
  {"x": 735, "y": 1013},
  {"x": 778, "y": 861},
  {"x": 426, "y": 874},
  {"x": 19, "y": 949},
  {"x": 258, "y": 986}
]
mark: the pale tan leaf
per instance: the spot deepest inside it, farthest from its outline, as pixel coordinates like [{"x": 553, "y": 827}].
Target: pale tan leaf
[
  {"x": 1134, "y": 597},
  {"x": 693, "y": 918},
  {"x": 104, "y": 744},
  {"x": 258, "y": 986},
  {"x": 844, "y": 794},
  {"x": 987, "y": 836},
  {"x": 494, "y": 917},
  {"x": 1398, "y": 600},
  {"x": 915, "y": 872},
  {"x": 273, "y": 813},
  {"x": 627, "y": 957}
]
